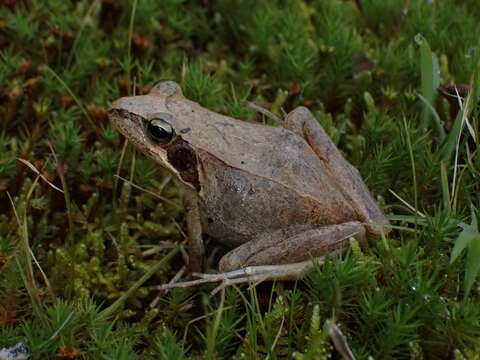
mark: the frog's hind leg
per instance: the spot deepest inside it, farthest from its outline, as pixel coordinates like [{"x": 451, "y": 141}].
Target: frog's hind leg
[
  {"x": 347, "y": 177},
  {"x": 291, "y": 245},
  {"x": 285, "y": 254}
]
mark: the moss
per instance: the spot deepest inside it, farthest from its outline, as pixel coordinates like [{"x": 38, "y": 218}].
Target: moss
[{"x": 67, "y": 257}]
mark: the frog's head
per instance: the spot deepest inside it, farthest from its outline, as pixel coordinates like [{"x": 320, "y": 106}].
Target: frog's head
[{"x": 156, "y": 125}]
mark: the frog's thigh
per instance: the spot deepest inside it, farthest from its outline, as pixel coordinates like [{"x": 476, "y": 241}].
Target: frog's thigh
[
  {"x": 291, "y": 245},
  {"x": 346, "y": 176}
]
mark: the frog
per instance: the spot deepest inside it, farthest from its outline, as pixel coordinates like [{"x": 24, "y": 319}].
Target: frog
[{"x": 276, "y": 196}]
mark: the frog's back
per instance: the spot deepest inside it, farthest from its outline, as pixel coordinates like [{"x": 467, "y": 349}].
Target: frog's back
[
  {"x": 264, "y": 179},
  {"x": 272, "y": 153},
  {"x": 256, "y": 177}
]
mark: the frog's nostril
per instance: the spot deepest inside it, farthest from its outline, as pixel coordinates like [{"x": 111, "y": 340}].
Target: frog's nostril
[{"x": 118, "y": 113}]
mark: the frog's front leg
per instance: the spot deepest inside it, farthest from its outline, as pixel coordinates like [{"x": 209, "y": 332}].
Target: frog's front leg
[
  {"x": 292, "y": 245},
  {"x": 346, "y": 176},
  {"x": 196, "y": 250}
]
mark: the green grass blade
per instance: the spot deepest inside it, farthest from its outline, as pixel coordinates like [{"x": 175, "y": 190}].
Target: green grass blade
[
  {"x": 437, "y": 121},
  {"x": 473, "y": 264},
  {"x": 430, "y": 78},
  {"x": 444, "y": 186},
  {"x": 451, "y": 140},
  {"x": 462, "y": 242}
]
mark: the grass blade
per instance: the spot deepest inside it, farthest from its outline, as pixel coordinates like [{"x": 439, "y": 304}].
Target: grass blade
[{"x": 430, "y": 73}]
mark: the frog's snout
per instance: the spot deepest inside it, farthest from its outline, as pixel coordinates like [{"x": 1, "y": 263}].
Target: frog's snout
[
  {"x": 122, "y": 112},
  {"x": 126, "y": 107},
  {"x": 114, "y": 114}
]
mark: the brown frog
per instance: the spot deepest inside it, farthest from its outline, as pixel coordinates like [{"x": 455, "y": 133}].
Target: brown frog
[{"x": 275, "y": 195}]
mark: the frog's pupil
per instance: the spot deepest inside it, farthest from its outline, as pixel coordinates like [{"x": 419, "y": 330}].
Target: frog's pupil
[{"x": 157, "y": 132}]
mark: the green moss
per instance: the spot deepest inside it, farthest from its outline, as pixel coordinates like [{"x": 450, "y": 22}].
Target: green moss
[{"x": 65, "y": 258}]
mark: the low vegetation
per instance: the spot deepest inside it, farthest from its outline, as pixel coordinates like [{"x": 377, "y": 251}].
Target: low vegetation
[{"x": 80, "y": 223}]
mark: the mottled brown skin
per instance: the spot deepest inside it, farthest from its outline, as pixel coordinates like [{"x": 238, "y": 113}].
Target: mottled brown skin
[{"x": 276, "y": 195}]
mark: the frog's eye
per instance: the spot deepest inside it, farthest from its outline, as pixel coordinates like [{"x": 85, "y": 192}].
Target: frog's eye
[{"x": 160, "y": 131}]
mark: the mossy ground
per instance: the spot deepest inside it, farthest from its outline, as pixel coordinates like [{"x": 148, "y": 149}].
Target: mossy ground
[{"x": 368, "y": 69}]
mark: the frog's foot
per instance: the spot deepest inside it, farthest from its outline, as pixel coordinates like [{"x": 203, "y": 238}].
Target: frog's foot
[{"x": 250, "y": 274}]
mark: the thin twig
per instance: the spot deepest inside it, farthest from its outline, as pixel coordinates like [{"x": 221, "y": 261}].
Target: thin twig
[
  {"x": 177, "y": 276},
  {"x": 263, "y": 111},
  {"x": 407, "y": 204},
  {"x": 339, "y": 341},
  {"x": 138, "y": 187},
  {"x": 36, "y": 171}
]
